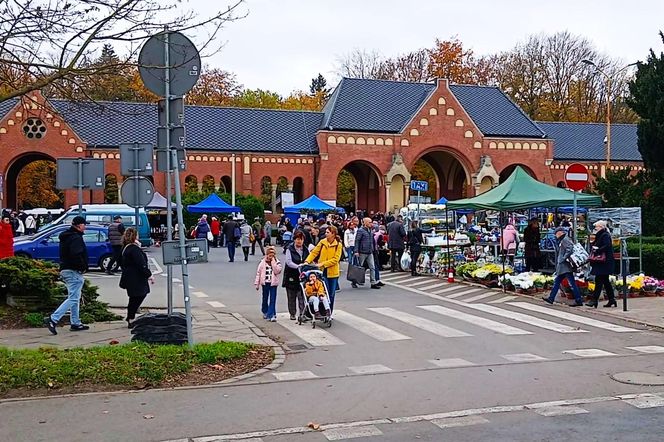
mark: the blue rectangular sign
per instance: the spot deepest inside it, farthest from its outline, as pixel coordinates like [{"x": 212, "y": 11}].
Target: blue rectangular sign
[{"x": 419, "y": 186}]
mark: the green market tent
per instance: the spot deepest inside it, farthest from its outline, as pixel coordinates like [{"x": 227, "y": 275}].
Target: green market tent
[{"x": 521, "y": 191}]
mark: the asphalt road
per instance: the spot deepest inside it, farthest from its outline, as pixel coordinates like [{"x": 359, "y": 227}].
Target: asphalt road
[{"x": 416, "y": 347}]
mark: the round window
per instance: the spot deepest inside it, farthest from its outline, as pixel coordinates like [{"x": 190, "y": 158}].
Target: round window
[{"x": 34, "y": 128}]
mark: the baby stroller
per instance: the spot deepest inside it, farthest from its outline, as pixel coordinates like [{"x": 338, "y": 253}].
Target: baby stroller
[
  {"x": 306, "y": 273},
  {"x": 286, "y": 239}
]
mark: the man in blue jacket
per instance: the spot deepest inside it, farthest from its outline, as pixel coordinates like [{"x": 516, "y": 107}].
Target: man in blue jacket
[{"x": 364, "y": 251}]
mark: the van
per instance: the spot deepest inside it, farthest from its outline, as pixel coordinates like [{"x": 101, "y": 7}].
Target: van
[{"x": 103, "y": 214}]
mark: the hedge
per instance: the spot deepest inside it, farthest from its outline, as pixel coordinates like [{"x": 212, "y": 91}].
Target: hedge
[{"x": 652, "y": 258}]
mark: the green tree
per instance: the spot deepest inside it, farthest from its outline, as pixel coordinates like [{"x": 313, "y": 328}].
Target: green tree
[
  {"x": 208, "y": 185},
  {"x": 111, "y": 192},
  {"x": 257, "y": 98},
  {"x": 422, "y": 171},
  {"x": 346, "y": 190},
  {"x": 318, "y": 85}
]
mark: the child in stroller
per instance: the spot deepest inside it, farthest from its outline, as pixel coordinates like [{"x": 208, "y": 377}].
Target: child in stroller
[{"x": 318, "y": 303}]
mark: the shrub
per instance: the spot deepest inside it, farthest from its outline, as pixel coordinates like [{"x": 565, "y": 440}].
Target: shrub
[
  {"x": 34, "y": 319},
  {"x": 653, "y": 256}
]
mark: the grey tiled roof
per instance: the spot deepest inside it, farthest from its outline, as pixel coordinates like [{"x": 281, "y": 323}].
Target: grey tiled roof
[
  {"x": 6, "y": 106},
  {"x": 374, "y": 105},
  {"x": 585, "y": 141},
  {"x": 208, "y": 128},
  {"x": 494, "y": 113}
]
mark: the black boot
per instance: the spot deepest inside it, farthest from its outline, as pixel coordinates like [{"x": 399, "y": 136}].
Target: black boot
[{"x": 611, "y": 303}]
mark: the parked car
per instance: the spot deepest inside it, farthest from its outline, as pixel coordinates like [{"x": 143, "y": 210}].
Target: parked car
[{"x": 46, "y": 245}]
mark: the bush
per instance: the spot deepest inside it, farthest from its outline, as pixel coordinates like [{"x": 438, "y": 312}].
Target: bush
[
  {"x": 646, "y": 240},
  {"x": 652, "y": 259},
  {"x": 34, "y": 319}
]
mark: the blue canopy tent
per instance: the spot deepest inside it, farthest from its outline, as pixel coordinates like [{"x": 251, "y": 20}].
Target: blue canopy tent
[
  {"x": 442, "y": 200},
  {"x": 313, "y": 204},
  {"x": 212, "y": 204}
]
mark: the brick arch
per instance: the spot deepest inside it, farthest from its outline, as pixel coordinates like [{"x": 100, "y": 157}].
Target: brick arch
[
  {"x": 452, "y": 181},
  {"x": 461, "y": 158},
  {"x": 369, "y": 184},
  {"x": 14, "y": 168},
  {"x": 507, "y": 171}
]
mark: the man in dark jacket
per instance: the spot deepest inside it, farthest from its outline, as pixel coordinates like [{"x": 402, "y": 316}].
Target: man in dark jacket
[
  {"x": 564, "y": 270},
  {"x": 364, "y": 248},
  {"x": 115, "y": 232},
  {"x": 73, "y": 262},
  {"x": 396, "y": 234},
  {"x": 231, "y": 234}
]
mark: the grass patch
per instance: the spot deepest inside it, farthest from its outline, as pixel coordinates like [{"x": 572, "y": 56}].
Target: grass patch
[{"x": 128, "y": 365}]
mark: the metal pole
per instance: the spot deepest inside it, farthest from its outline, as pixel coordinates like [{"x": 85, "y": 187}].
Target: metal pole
[
  {"x": 232, "y": 179},
  {"x": 183, "y": 254},
  {"x": 447, "y": 234},
  {"x": 418, "y": 208},
  {"x": 623, "y": 259},
  {"x": 136, "y": 190},
  {"x": 79, "y": 170},
  {"x": 574, "y": 219},
  {"x": 169, "y": 206},
  {"x": 608, "y": 123}
]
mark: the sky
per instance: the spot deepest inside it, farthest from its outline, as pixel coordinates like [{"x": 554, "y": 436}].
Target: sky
[{"x": 282, "y": 44}]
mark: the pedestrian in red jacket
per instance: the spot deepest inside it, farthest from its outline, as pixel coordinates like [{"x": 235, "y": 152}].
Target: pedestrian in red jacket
[
  {"x": 6, "y": 238},
  {"x": 215, "y": 228}
]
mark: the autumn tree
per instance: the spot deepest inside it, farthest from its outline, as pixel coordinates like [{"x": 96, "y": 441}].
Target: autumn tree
[
  {"x": 111, "y": 190},
  {"x": 215, "y": 87},
  {"x": 318, "y": 86},
  {"x": 346, "y": 190},
  {"x": 208, "y": 184},
  {"x": 51, "y": 44},
  {"x": 448, "y": 59},
  {"x": 35, "y": 186},
  {"x": 422, "y": 171}
]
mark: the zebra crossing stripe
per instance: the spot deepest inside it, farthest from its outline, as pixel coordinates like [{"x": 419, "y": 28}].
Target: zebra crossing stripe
[
  {"x": 559, "y": 410},
  {"x": 200, "y": 294},
  {"x": 532, "y": 320},
  {"x": 589, "y": 352},
  {"x": 314, "y": 336},
  {"x": 367, "y": 327},
  {"x": 523, "y": 357},
  {"x": 448, "y": 289},
  {"x": 435, "y": 286},
  {"x": 503, "y": 299},
  {"x": 478, "y": 297},
  {"x": 421, "y": 323},
  {"x": 450, "y": 363},
  {"x": 462, "y": 421},
  {"x": 464, "y": 293},
  {"x": 352, "y": 432},
  {"x": 648, "y": 349},
  {"x": 294, "y": 375},
  {"x": 216, "y": 304},
  {"x": 475, "y": 320},
  {"x": 397, "y": 278},
  {"x": 572, "y": 317},
  {"x": 418, "y": 283}
]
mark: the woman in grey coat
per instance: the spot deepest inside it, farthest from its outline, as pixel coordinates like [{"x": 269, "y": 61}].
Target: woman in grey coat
[
  {"x": 564, "y": 269},
  {"x": 245, "y": 229}
]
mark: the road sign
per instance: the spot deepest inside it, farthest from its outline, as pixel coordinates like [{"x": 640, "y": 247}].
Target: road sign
[
  {"x": 196, "y": 250},
  {"x": 177, "y": 137},
  {"x": 419, "y": 186},
  {"x": 576, "y": 177},
  {"x": 136, "y": 159},
  {"x": 91, "y": 176},
  {"x": 180, "y": 164},
  {"x": 175, "y": 112},
  {"x": 137, "y": 191},
  {"x": 184, "y": 63}
]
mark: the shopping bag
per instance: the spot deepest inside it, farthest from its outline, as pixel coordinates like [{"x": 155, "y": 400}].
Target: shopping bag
[
  {"x": 405, "y": 261},
  {"x": 210, "y": 236},
  {"x": 356, "y": 273}
]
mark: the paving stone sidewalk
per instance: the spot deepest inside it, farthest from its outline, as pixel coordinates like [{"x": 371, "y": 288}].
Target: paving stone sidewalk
[{"x": 208, "y": 326}]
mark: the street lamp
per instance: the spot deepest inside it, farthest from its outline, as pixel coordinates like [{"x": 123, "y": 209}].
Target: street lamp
[{"x": 609, "y": 83}]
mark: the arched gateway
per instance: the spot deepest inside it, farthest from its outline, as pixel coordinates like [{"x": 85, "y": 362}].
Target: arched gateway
[{"x": 375, "y": 131}]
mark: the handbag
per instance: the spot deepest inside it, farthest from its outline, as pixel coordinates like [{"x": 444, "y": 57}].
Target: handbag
[
  {"x": 356, "y": 273},
  {"x": 597, "y": 258},
  {"x": 210, "y": 237},
  {"x": 252, "y": 237}
]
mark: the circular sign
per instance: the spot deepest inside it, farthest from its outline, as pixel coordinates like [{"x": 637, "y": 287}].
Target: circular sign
[
  {"x": 184, "y": 63},
  {"x": 576, "y": 176},
  {"x": 137, "y": 191}
]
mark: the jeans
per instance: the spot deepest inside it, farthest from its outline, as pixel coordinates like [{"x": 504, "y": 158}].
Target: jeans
[
  {"x": 231, "y": 250},
  {"x": 269, "y": 306},
  {"x": 369, "y": 259},
  {"x": 74, "y": 281},
  {"x": 395, "y": 259},
  {"x": 572, "y": 284},
  {"x": 315, "y": 302},
  {"x": 349, "y": 253},
  {"x": 331, "y": 284},
  {"x": 414, "y": 256},
  {"x": 377, "y": 266}
]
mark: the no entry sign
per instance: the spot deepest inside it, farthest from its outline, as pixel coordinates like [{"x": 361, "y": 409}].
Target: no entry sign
[{"x": 576, "y": 176}]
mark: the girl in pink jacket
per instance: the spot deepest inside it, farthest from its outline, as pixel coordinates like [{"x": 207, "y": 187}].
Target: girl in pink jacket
[{"x": 268, "y": 274}]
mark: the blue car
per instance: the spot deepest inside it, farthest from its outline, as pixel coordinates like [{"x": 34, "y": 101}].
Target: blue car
[{"x": 46, "y": 245}]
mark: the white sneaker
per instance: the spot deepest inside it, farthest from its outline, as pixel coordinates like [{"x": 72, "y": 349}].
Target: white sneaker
[{"x": 273, "y": 319}]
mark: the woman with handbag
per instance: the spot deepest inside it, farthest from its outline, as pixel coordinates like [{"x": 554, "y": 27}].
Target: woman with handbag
[
  {"x": 135, "y": 273},
  {"x": 602, "y": 264}
]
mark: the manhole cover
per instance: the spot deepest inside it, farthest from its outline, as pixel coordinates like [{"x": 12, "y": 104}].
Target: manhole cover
[
  {"x": 298, "y": 347},
  {"x": 638, "y": 378}
]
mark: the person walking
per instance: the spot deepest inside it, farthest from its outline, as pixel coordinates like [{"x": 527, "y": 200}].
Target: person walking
[
  {"x": 115, "y": 231},
  {"x": 414, "y": 239},
  {"x": 564, "y": 269},
  {"x": 267, "y": 229},
  {"x": 364, "y": 251},
  {"x": 296, "y": 253},
  {"x": 267, "y": 278},
  {"x": 215, "y": 228},
  {"x": 202, "y": 229},
  {"x": 245, "y": 241},
  {"x": 602, "y": 265},
  {"x": 396, "y": 235},
  {"x": 327, "y": 254},
  {"x": 257, "y": 231},
  {"x": 135, "y": 274},
  {"x": 349, "y": 241},
  {"x": 231, "y": 232},
  {"x": 532, "y": 236},
  {"x": 30, "y": 225},
  {"x": 73, "y": 263},
  {"x": 6, "y": 237}
]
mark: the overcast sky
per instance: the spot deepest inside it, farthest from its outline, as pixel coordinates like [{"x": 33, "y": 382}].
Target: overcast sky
[{"x": 282, "y": 44}]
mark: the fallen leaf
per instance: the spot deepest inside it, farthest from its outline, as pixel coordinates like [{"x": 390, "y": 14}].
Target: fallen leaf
[
  {"x": 319, "y": 365},
  {"x": 148, "y": 416},
  {"x": 314, "y": 426},
  {"x": 217, "y": 366},
  {"x": 114, "y": 342},
  {"x": 105, "y": 411},
  {"x": 50, "y": 384},
  {"x": 42, "y": 422}
]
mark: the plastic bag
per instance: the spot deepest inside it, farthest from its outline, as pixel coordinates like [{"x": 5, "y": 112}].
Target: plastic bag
[
  {"x": 210, "y": 236},
  {"x": 405, "y": 261}
]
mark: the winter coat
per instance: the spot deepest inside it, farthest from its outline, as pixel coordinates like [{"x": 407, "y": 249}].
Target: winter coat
[
  {"x": 6, "y": 240},
  {"x": 244, "y": 239},
  {"x": 328, "y": 254},
  {"x": 604, "y": 245},
  {"x": 135, "y": 271},
  {"x": 510, "y": 236},
  {"x": 531, "y": 236},
  {"x": 364, "y": 241},
  {"x": 260, "y": 273},
  {"x": 215, "y": 227},
  {"x": 73, "y": 252},
  {"x": 349, "y": 237},
  {"x": 564, "y": 250},
  {"x": 229, "y": 229},
  {"x": 396, "y": 234},
  {"x": 202, "y": 229},
  {"x": 414, "y": 239},
  {"x": 268, "y": 229},
  {"x": 291, "y": 275},
  {"x": 115, "y": 231}
]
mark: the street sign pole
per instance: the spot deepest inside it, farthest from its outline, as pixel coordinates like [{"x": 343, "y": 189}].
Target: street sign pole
[
  {"x": 574, "y": 220},
  {"x": 169, "y": 203},
  {"x": 418, "y": 208},
  {"x": 79, "y": 185}
]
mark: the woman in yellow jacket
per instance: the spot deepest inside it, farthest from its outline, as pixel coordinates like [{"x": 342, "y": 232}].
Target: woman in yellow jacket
[{"x": 327, "y": 254}]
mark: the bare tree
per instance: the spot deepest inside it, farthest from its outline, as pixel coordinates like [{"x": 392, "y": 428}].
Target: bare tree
[
  {"x": 362, "y": 64},
  {"x": 53, "y": 43}
]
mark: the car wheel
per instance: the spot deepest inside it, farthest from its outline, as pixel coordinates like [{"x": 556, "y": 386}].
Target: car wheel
[
  {"x": 22, "y": 255},
  {"x": 105, "y": 260}
]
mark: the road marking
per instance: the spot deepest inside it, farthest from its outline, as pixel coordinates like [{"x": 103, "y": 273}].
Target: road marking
[
  {"x": 572, "y": 317},
  {"x": 448, "y": 289},
  {"x": 421, "y": 323},
  {"x": 314, "y": 336},
  {"x": 200, "y": 295},
  {"x": 523, "y": 357},
  {"x": 367, "y": 327},
  {"x": 158, "y": 269},
  {"x": 558, "y": 410},
  {"x": 464, "y": 421},
  {"x": 215, "y": 304},
  {"x": 396, "y": 276},
  {"x": 294, "y": 375},
  {"x": 475, "y": 320},
  {"x": 589, "y": 353},
  {"x": 646, "y": 401},
  {"x": 352, "y": 433},
  {"x": 503, "y": 299},
  {"x": 450, "y": 363},
  {"x": 369, "y": 369},
  {"x": 465, "y": 292},
  {"x": 177, "y": 280},
  {"x": 426, "y": 281},
  {"x": 435, "y": 286},
  {"x": 478, "y": 297},
  {"x": 532, "y": 320},
  {"x": 648, "y": 349}
]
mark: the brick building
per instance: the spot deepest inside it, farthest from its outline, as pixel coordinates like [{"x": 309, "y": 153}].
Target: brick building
[{"x": 471, "y": 136}]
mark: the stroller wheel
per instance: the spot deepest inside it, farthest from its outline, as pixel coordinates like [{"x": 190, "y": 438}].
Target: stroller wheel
[{"x": 313, "y": 324}]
